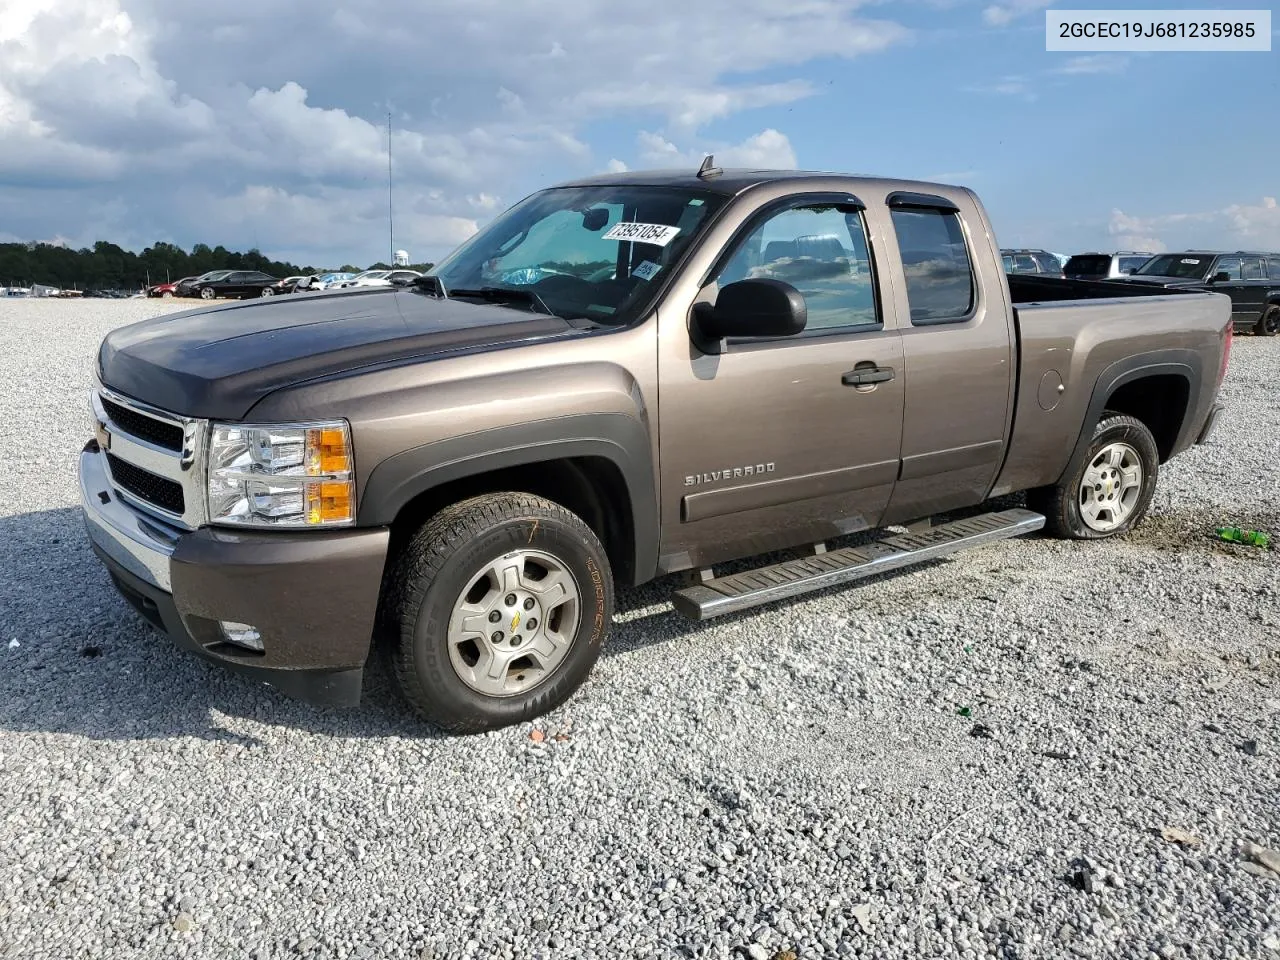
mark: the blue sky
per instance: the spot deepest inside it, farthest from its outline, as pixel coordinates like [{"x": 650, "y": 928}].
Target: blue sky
[{"x": 143, "y": 120}]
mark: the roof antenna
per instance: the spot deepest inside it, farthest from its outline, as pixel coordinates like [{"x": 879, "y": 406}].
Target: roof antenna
[{"x": 708, "y": 169}]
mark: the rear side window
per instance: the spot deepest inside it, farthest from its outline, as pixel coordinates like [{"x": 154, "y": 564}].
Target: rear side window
[
  {"x": 1048, "y": 263},
  {"x": 1273, "y": 267},
  {"x": 1252, "y": 269},
  {"x": 1131, "y": 263},
  {"x": 936, "y": 263}
]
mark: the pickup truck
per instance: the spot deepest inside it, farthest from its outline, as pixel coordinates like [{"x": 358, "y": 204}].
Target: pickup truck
[{"x": 621, "y": 378}]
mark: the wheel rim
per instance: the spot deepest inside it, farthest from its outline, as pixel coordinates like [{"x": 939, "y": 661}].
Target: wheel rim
[
  {"x": 206, "y": 294},
  {"x": 513, "y": 624},
  {"x": 1111, "y": 487},
  {"x": 267, "y": 292},
  {"x": 1271, "y": 322}
]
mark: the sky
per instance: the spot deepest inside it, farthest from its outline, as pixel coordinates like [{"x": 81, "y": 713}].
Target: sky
[{"x": 263, "y": 123}]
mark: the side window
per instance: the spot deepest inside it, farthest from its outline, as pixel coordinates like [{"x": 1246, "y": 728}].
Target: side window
[
  {"x": 1228, "y": 265},
  {"x": 1008, "y": 263},
  {"x": 1273, "y": 267},
  {"x": 1048, "y": 263},
  {"x": 822, "y": 251},
  {"x": 1024, "y": 263},
  {"x": 935, "y": 261},
  {"x": 1251, "y": 269},
  {"x": 234, "y": 278}
]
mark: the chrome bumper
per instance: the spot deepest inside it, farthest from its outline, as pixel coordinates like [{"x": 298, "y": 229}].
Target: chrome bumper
[{"x": 140, "y": 545}]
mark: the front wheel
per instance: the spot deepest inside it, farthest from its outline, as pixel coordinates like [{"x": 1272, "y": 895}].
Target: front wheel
[
  {"x": 501, "y": 604},
  {"x": 166, "y": 295},
  {"x": 1269, "y": 324},
  {"x": 1109, "y": 492},
  {"x": 206, "y": 293}
]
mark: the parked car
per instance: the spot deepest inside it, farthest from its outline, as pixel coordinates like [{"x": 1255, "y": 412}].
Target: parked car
[
  {"x": 327, "y": 280},
  {"x": 379, "y": 278},
  {"x": 239, "y": 283},
  {"x": 472, "y": 465},
  {"x": 1251, "y": 279},
  {"x": 186, "y": 287},
  {"x": 168, "y": 289},
  {"x": 1104, "y": 266},
  {"x": 1031, "y": 261}
]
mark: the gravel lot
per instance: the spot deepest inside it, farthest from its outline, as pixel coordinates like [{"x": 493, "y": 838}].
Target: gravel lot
[{"x": 811, "y": 777}]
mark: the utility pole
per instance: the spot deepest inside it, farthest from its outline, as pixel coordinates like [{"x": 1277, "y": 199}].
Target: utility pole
[{"x": 391, "y": 226}]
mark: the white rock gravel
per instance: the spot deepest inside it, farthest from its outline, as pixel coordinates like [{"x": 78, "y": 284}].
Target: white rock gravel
[{"x": 802, "y": 777}]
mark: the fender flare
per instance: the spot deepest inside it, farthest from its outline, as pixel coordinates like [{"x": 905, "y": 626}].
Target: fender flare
[
  {"x": 622, "y": 440},
  {"x": 1183, "y": 363}
]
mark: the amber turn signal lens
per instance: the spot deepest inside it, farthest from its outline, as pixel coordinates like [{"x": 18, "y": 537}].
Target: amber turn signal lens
[
  {"x": 328, "y": 501},
  {"x": 327, "y": 452}
]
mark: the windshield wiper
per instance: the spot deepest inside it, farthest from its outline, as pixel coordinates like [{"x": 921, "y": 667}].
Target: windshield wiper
[{"x": 506, "y": 295}]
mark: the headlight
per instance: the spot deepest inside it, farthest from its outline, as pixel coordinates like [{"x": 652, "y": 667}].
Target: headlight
[{"x": 281, "y": 476}]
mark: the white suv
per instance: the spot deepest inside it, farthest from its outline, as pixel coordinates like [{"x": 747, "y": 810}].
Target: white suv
[{"x": 379, "y": 278}]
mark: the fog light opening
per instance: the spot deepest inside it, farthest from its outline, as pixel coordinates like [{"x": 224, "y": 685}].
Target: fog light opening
[{"x": 242, "y": 635}]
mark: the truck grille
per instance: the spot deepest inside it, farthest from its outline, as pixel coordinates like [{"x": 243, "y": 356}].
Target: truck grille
[
  {"x": 162, "y": 493},
  {"x": 167, "y": 435}
]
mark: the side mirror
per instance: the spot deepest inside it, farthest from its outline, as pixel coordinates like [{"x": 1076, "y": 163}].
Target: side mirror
[
  {"x": 753, "y": 308},
  {"x": 1220, "y": 277}
]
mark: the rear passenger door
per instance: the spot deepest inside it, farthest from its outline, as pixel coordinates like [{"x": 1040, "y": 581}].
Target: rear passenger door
[
  {"x": 1253, "y": 290},
  {"x": 957, "y": 345}
]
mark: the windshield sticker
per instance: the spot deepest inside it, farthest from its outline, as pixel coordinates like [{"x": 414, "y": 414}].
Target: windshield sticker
[
  {"x": 659, "y": 234},
  {"x": 646, "y": 271},
  {"x": 1191, "y": 262}
]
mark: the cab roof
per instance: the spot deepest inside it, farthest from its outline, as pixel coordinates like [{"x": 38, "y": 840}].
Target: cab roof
[{"x": 733, "y": 180}]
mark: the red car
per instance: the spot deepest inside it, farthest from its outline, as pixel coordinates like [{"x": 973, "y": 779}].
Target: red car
[{"x": 167, "y": 289}]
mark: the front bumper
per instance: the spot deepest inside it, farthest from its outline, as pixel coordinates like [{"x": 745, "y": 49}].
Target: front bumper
[{"x": 313, "y": 596}]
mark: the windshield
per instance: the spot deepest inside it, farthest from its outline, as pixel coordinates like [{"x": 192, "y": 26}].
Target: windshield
[
  {"x": 1176, "y": 265},
  {"x": 1088, "y": 266},
  {"x": 216, "y": 275},
  {"x": 372, "y": 275},
  {"x": 586, "y": 252}
]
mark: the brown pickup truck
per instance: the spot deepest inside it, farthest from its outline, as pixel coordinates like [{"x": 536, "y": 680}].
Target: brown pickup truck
[{"x": 620, "y": 378}]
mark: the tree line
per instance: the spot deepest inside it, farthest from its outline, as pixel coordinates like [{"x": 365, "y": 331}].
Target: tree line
[{"x": 109, "y": 267}]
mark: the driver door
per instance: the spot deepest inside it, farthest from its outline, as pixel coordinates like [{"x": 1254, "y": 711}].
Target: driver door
[{"x": 769, "y": 443}]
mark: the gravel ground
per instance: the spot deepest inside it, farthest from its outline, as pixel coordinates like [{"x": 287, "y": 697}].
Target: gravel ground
[{"x": 973, "y": 759}]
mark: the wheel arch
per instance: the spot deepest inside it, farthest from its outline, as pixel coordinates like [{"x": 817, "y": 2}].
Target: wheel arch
[
  {"x": 597, "y": 465},
  {"x": 1158, "y": 388}
]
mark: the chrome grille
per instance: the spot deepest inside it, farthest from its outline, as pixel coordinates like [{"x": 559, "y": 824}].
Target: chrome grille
[{"x": 154, "y": 458}]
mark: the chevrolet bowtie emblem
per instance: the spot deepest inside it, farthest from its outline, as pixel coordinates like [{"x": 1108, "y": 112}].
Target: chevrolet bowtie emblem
[{"x": 515, "y": 622}]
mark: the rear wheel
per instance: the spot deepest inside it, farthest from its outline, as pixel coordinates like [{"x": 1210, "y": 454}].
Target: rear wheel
[
  {"x": 1109, "y": 492},
  {"x": 1269, "y": 324},
  {"x": 500, "y": 605}
]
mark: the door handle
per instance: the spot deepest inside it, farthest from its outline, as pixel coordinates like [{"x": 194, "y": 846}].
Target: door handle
[{"x": 865, "y": 376}]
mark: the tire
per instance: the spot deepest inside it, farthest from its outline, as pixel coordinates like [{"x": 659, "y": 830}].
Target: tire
[
  {"x": 206, "y": 293},
  {"x": 168, "y": 294},
  {"x": 1269, "y": 324},
  {"x": 454, "y": 561},
  {"x": 266, "y": 292},
  {"x": 1074, "y": 511}
]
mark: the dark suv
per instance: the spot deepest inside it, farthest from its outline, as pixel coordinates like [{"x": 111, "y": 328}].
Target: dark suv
[
  {"x": 1104, "y": 266},
  {"x": 1031, "y": 261},
  {"x": 241, "y": 283},
  {"x": 1249, "y": 278}
]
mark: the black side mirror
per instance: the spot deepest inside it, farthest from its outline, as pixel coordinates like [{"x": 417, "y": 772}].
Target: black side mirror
[
  {"x": 1220, "y": 277},
  {"x": 753, "y": 308}
]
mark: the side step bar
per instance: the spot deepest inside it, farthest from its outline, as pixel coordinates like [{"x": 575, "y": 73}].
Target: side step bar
[{"x": 739, "y": 591}]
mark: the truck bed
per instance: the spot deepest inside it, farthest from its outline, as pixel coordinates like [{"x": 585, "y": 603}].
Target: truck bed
[{"x": 1072, "y": 337}]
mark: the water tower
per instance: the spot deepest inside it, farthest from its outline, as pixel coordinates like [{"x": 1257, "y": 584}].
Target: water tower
[{"x": 401, "y": 258}]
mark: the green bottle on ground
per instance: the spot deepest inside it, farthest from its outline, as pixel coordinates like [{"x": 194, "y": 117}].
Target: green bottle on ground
[{"x": 1252, "y": 538}]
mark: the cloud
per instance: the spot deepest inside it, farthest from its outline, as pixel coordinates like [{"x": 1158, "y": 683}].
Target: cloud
[
  {"x": 615, "y": 166},
  {"x": 1096, "y": 63},
  {"x": 1001, "y": 15},
  {"x": 1238, "y": 226},
  {"x": 768, "y": 149},
  {"x": 1007, "y": 86},
  {"x": 151, "y": 120}
]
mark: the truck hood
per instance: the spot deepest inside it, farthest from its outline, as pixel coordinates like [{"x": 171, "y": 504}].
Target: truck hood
[{"x": 218, "y": 362}]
